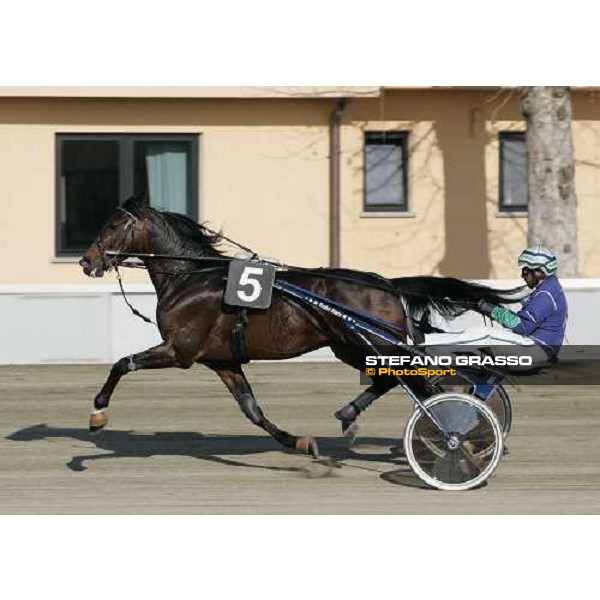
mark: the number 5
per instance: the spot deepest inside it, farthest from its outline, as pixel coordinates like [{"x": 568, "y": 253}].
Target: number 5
[{"x": 245, "y": 279}]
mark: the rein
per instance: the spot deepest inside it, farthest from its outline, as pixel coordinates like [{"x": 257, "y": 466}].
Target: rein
[
  {"x": 299, "y": 270},
  {"x": 118, "y": 253},
  {"x": 110, "y": 259}
]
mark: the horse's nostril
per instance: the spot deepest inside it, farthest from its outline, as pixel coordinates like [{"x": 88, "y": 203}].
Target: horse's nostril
[{"x": 84, "y": 263}]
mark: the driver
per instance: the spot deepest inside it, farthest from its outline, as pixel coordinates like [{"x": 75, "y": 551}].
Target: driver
[{"x": 543, "y": 316}]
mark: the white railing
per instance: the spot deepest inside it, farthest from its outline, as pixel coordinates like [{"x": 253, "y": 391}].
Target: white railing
[{"x": 91, "y": 323}]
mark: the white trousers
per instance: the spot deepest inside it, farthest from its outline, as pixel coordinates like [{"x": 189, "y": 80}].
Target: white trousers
[{"x": 499, "y": 340}]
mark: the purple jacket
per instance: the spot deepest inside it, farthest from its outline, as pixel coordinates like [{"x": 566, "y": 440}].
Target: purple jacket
[{"x": 544, "y": 315}]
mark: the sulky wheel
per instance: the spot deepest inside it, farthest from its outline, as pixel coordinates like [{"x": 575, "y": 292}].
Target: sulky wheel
[{"x": 465, "y": 453}]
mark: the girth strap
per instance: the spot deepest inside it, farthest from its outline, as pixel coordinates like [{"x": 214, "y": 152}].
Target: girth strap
[{"x": 238, "y": 337}]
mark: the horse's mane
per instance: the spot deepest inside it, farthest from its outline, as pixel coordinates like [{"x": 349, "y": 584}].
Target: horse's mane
[
  {"x": 183, "y": 232},
  {"x": 191, "y": 235}
]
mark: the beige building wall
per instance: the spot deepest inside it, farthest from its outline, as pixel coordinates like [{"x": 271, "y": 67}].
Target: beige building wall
[
  {"x": 586, "y": 133},
  {"x": 264, "y": 174},
  {"x": 454, "y": 227},
  {"x": 264, "y": 178}
]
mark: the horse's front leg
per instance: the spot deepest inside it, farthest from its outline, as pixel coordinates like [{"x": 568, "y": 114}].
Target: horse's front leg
[
  {"x": 235, "y": 380},
  {"x": 159, "y": 357}
]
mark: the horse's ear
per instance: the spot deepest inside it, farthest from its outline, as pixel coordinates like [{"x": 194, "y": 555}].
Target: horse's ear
[
  {"x": 137, "y": 202},
  {"x": 144, "y": 199}
]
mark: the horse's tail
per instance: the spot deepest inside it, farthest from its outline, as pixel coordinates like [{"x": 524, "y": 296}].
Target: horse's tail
[{"x": 448, "y": 296}]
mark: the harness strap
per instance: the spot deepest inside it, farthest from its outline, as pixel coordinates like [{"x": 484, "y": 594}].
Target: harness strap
[
  {"x": 134, "y": 310},
  {"x": 238, "y": 337}
]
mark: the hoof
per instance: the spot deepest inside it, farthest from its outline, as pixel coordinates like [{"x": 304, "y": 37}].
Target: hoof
[
  {"x": 347, "y": 416},
  {"x": 350, "y": 432},
  {"x": 307, "y": 445},
  {"x": 98, "y": 421}
]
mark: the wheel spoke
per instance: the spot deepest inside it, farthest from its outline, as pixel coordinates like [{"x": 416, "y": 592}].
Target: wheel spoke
[
  {"x": 453, "y": 468},
  {"x": 499, "y": 401},
  {"x": 466, "y": 448},
  {"x": 455, "y": 417}
]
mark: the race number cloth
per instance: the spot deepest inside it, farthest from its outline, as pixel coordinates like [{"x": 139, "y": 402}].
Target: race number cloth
[{"x": 249, "y": 284}]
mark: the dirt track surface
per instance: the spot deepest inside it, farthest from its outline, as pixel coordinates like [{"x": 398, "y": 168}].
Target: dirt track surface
[{"x": 177, "y": 443}]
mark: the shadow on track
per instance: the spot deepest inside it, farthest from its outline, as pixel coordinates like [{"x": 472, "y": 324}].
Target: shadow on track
[{"x": 214, "y": 448}]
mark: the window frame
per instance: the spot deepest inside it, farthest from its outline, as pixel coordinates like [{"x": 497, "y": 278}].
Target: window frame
[
  {"x": 503, "y": 208},
  {"x": 125, "y": 143},
  {"x": 402, "y": 136}
]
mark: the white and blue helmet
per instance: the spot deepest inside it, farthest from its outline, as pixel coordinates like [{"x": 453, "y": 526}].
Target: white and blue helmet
[{"x": 539, "y": 257}]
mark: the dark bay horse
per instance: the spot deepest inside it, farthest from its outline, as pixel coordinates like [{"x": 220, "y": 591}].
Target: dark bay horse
[{"x": 196, "y": 326}]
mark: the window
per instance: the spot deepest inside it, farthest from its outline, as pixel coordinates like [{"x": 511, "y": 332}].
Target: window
[
  {"x": 386, "y": 171},
  {"x": 513, "y": 172},
  {"x": 96, "y": 173}
]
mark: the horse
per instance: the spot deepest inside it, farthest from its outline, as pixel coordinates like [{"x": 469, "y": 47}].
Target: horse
[{"x": 196, "y": 325}]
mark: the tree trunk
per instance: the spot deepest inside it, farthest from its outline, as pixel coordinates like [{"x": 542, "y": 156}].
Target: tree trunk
[{"x": 551, "y": 174}]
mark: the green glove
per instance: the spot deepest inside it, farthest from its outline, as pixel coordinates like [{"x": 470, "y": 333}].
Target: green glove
[{"x": 505, "y": 317}]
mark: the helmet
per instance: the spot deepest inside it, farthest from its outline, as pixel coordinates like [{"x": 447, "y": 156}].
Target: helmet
[{"x": 539, "y": 257}]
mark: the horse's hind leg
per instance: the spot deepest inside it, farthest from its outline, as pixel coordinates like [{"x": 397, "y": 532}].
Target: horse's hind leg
[
  {"x": 235, "y": 380},
  {"x": 349, "y": 413},
  {"x": 159, "y": 357}
]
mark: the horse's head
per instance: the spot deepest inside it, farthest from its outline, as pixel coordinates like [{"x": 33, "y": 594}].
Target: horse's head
[{"x": 121, "y": 233}]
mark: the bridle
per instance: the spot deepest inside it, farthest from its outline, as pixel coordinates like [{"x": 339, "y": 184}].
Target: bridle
[
  {"x": 111, "y": 261},
  {"x": 110, "y": 258}
]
